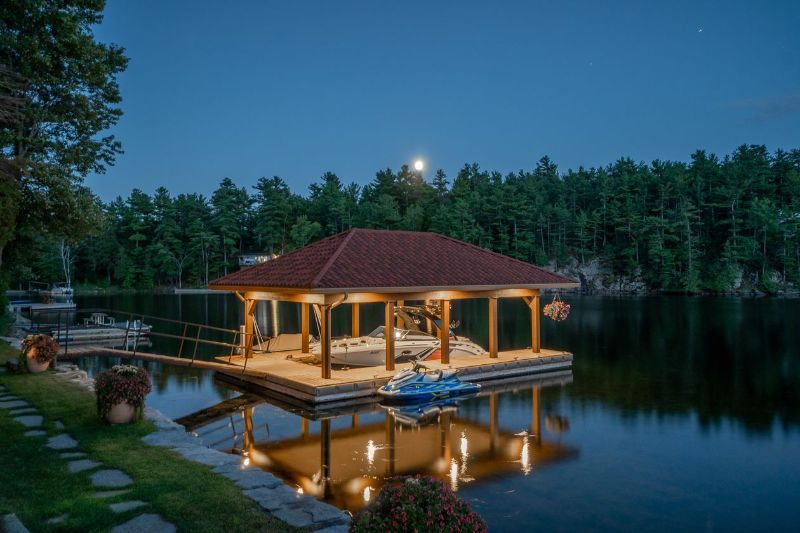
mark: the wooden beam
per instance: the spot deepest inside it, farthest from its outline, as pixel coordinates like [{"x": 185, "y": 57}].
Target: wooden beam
[
  {"x": 305, "y": 327},
  {"x": 389, "y": 334},
  {"x": 355, "y": 327},
  {"x": 325, "y": 340},
  {"x": 309, "y": 298},
  {"x": 493, "y": 328},
  {"x": 444, "y": 332},
  {"x": 373, "y": 297},
  {"x": 249, "y": 327}
]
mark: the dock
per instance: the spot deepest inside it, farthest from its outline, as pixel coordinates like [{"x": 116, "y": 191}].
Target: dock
[{"x": 281, "y": 373}]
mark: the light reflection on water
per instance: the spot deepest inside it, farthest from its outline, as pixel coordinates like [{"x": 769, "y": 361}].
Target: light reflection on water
[{"x": 682, "y": 413}]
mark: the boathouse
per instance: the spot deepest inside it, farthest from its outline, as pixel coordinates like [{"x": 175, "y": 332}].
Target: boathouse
[{"x": 392, "y": 267}]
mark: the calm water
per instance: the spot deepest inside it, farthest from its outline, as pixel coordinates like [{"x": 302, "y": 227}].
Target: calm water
[{"x": 679, "y": 413}]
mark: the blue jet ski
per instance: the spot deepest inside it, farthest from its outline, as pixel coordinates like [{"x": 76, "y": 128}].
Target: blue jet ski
[{"x": 411, "y": 385}]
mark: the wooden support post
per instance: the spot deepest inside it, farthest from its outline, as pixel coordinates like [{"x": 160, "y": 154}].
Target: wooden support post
[
  {"x": 354, "y": 421},
  {"x": 325, "y": 452},
  {"x": 356, "y": 321},
  {"x": 390, "y": 443},
  {"x": 304, "y": 427},
  {"x": 305, "y": 329},
  {"x": 536, "y": 336},
  {"x": 492, "y": 421},
  {"x": 444, "y": 332},
  {"x": 325, "y": 340},
  {"x": 389, "y": 335},
  {"x": 536, "y": 420},
  {"x": 400, "y": 303},
  {"x": 493, "y": 328},
  {"x": 249, "y": 326},
  {"x": 247, "y": 415},
  {"x": 428, "y": 323}
]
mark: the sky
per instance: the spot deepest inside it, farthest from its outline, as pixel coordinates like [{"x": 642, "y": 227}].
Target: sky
[{"x": 294, "y": 89}]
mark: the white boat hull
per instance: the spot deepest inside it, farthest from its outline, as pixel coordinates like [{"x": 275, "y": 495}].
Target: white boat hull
[{"x": 358, "y": 352}]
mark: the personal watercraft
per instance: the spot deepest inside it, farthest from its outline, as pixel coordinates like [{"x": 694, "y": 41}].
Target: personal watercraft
[{"x": 412, "y": 385}]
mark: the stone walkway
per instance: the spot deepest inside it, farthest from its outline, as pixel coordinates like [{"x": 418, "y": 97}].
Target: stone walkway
[
  {"x": 283, "y": 502},
  {"x": 77, "y": 464}
]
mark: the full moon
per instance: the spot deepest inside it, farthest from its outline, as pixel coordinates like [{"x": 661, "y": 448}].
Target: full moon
[{"x": 418, "y": 164}]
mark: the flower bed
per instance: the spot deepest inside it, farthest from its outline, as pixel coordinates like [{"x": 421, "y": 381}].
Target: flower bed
[
  {"x": 417, "y": 504},
  {"x": 122, "y": 384}
]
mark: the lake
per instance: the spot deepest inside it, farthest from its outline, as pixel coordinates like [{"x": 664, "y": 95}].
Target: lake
[{"x": 679, "y": 413}]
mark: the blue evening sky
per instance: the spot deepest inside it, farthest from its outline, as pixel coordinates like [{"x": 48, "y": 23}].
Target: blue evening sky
[{"x": 294, "y": 89}]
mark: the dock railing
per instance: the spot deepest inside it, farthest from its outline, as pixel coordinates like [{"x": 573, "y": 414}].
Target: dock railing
[{"x": 192, "y": 334}]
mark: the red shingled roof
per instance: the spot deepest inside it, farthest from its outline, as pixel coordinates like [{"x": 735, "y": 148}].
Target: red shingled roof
[{"x": 383, "y": 259}]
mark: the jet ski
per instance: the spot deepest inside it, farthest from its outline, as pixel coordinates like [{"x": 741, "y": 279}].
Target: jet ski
[{"x": 412, "y": 385}]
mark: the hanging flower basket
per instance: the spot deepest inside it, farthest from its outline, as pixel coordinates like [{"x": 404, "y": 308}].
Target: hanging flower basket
[
  {"x": 557, "y": 310},
  {"x": 121, "y": 391}
]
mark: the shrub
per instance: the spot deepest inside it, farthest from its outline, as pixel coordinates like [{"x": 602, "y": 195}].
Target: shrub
[
  {"x": 45, "y": 345},
  {"x": 417, "y": 504},
  {"x": 122, "y": 383}
]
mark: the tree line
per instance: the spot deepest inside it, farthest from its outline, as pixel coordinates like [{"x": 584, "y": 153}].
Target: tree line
[{"x": 707, "y": 225}]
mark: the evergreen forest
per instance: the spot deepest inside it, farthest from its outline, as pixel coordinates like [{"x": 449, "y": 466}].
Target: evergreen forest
[{"x": 707, "y": 225}]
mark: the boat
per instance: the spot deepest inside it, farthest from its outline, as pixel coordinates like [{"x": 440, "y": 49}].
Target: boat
[
  {"x": 410, "y": 385},
  {"x": 411, "y": 343},
  {"x": 58, "y": 292}
]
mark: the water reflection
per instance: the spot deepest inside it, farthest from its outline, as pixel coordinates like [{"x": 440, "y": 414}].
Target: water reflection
[{"x": 349, "y": 458}]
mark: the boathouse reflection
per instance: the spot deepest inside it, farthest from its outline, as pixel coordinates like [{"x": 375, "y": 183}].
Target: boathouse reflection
[{"x": 348, "y": 466}]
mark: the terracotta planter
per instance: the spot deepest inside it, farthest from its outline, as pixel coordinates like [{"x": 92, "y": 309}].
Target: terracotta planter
[
  {"x": 34, "y": 366},
  {"x": 121, "y": 413}
]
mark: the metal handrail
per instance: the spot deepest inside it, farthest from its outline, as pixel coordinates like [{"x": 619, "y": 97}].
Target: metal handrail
[{"x": 238, "y": 336}]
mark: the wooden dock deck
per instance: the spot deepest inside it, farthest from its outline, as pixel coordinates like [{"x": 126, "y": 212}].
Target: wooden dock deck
[{"x": 280, "y": 372}]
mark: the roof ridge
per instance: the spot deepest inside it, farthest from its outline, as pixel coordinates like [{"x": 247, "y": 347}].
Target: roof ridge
[
  {"x": 506, "y": 257},
  {"x": 334, "y": 255}
]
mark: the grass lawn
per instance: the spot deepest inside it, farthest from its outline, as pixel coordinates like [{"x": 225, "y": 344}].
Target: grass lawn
[{"x": 35, "y": 484}]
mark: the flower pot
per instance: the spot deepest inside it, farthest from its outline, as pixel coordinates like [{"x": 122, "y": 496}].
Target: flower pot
[
  {"x": 120, "y": 413},
  {"x": 34, "y": 366}
]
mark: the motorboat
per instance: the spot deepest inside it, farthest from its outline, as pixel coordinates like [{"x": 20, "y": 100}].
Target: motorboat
[
  {"x": 410, "y": 342},
  {"x": 411, "y": 385}
]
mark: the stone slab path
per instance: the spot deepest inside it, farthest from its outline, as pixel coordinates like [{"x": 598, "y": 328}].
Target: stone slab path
[
  {"x": 30, "y": 421},
  {"x": 145, "y": 523},
  {"x": 122, "y": 507},
  {"x": 62, "y": 442},
  {"x": 77, "y": 463},
  {"x": 82, "y": 464},
  {"x": 111, "y": 479}
]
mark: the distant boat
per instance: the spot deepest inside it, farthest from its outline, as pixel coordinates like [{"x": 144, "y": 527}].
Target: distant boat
[{"x": 102, "y": 327}]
